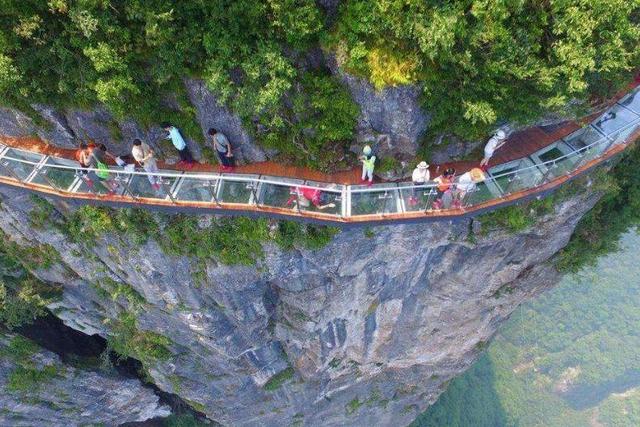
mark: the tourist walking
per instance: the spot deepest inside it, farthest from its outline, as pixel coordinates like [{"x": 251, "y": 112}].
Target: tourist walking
[
  {"x": 143, "y": 154},
  {"x": 223, "y": 149},
  {"x": 419, "y": 176},
  {"x": 368, "y": 160},
  {"x": 496, "y": 141},
  {"x": 83, "y": 155},
  {"x": 443, "y": 189},
  {"x": 98, "y": 161},
  {"x": 179, "y": 143}
]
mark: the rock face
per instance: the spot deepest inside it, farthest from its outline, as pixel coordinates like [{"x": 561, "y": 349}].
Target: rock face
[
  {"x": 392, "y": 118},
  {"x": 68, "y": 128},
  {"x": 212, "y": 114},
  {"x": 38, "y": 389},
  {"x": 366, "y": 331}
]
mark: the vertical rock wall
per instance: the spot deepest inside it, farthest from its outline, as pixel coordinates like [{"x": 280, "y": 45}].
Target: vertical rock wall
[{"x": 367, "y": 330}]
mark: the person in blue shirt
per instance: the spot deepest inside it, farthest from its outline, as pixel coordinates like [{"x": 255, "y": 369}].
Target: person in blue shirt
[{"x": 178, "y": 141}]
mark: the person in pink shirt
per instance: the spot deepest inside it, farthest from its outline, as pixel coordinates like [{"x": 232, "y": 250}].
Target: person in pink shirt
[{"x": 308, "y": 196}]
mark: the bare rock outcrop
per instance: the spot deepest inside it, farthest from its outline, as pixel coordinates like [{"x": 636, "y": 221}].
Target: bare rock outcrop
[{"x": 38, "y": 389}]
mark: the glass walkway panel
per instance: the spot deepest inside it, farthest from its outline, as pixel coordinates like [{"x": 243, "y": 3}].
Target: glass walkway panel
[
  {"x": 238, "y": 189},
  {"x": 615, "y": 122},
  {"x": 59, "y": 178},
  {"x": 197, "y": 188},
  {"x": 19, "y": 164},
  {"x": 516, "y": 175},
  {"x": 376, "y": 200},
  {"x": 593, "y": 144}
]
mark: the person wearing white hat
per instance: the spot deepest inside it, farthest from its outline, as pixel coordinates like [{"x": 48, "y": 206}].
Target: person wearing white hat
[
  {"x": 496, "y": 141},
  {"x": 419, "y": 176},
  {"x": 368, "y": 160}
]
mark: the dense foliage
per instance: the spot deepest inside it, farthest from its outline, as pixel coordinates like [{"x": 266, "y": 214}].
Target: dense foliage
[
  {"x": 479, "y": 61},
  {"x": 22, "y": 296},
  {"x": 569, "y": 358},
  {"x": 132, "y": 55},
  {"x": 482, "y": 61}
]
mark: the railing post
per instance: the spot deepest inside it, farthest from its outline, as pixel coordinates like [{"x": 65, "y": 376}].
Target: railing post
[
  {"x": 297, "y": 199},
  {"x": 212, "y": 191},
  {"x": 168, "y": 192},
  {"x": 253, "y": 186},
  {"x": 127, "y": 188},
  {"x": 429, "y": 199}
]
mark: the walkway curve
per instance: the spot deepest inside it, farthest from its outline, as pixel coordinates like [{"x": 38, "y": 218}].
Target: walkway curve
[{"x": 546, "y": 160}]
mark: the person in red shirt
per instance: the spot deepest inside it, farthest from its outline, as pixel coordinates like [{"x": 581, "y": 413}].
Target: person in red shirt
[
  {"x": 308, "y": 196},
  {"x": 444, "y": 186}
]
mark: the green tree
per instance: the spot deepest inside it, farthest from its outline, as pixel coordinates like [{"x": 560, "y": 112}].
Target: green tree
[{"x": 481, "y": 61}]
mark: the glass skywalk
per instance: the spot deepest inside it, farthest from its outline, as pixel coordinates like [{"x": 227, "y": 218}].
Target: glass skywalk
[{"x": 329, "y": 202}]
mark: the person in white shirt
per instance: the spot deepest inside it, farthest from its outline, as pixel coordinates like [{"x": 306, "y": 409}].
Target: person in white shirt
[
  {"x": 466, "y": 183},
  {"x": 419, "y": 176},
  {"x": 496, "y": 141},
  {"x": 144, "y": 155}
]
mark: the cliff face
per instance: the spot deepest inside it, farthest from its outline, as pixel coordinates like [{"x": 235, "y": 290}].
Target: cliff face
[
  {"x": 38, "y": 389},
  {"x": 367, "y": 330}
]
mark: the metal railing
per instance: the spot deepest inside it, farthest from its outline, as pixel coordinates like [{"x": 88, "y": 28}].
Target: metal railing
[{"x": 331, "y": 202}]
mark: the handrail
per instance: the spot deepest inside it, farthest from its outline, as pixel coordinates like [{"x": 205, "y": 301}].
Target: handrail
[{"x": 344, "y": 203}]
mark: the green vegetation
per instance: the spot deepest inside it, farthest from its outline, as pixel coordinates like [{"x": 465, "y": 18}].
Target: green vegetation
[
  {"x": 519, "y": 217},
  {"x": 483, "y": 61},
  {"x": 238, "y": 240},
  {"x": 567, "y": 359},
  {"x": 88, "y": 223},
  {"x": 24, "y": 379},
  {"x": 599, "y": 231},
  {"x": 22, "y": 296},
  {"x": 115, "y": 290},
  {"x": 291, "y": 233},
  {"x": 132, "y": 55},
  {"x": 41, "y": 213},
  {"x": 353, "y": 406},
  {"x": 276, "y": 381},
  {"x": 128, "y": 341},
  {"x": 478, "y": 62},
  {"x": 23, "y": 300},
  {"x": 182, "y": 420},
  {"x": 231, "y": 240},
  {"x": 26, "y": 376}
]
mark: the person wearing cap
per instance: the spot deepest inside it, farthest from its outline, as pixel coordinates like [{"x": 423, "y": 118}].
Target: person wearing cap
[
  {"x": 368, "y": 160},
  {"x": 465, "y": 183},
  {"x": 443, "y": 188},
  {"x": 496, "y": 141},
  {"x": 419, "y": 176}
]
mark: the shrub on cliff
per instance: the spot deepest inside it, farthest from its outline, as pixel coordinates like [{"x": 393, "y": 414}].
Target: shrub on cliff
[{"x": 482, "y": 61}]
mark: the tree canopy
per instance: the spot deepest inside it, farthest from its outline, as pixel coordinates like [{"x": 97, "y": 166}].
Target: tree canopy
[
  {"x": 480, "y": 61},
  {"x": 477, "y": 61}
]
